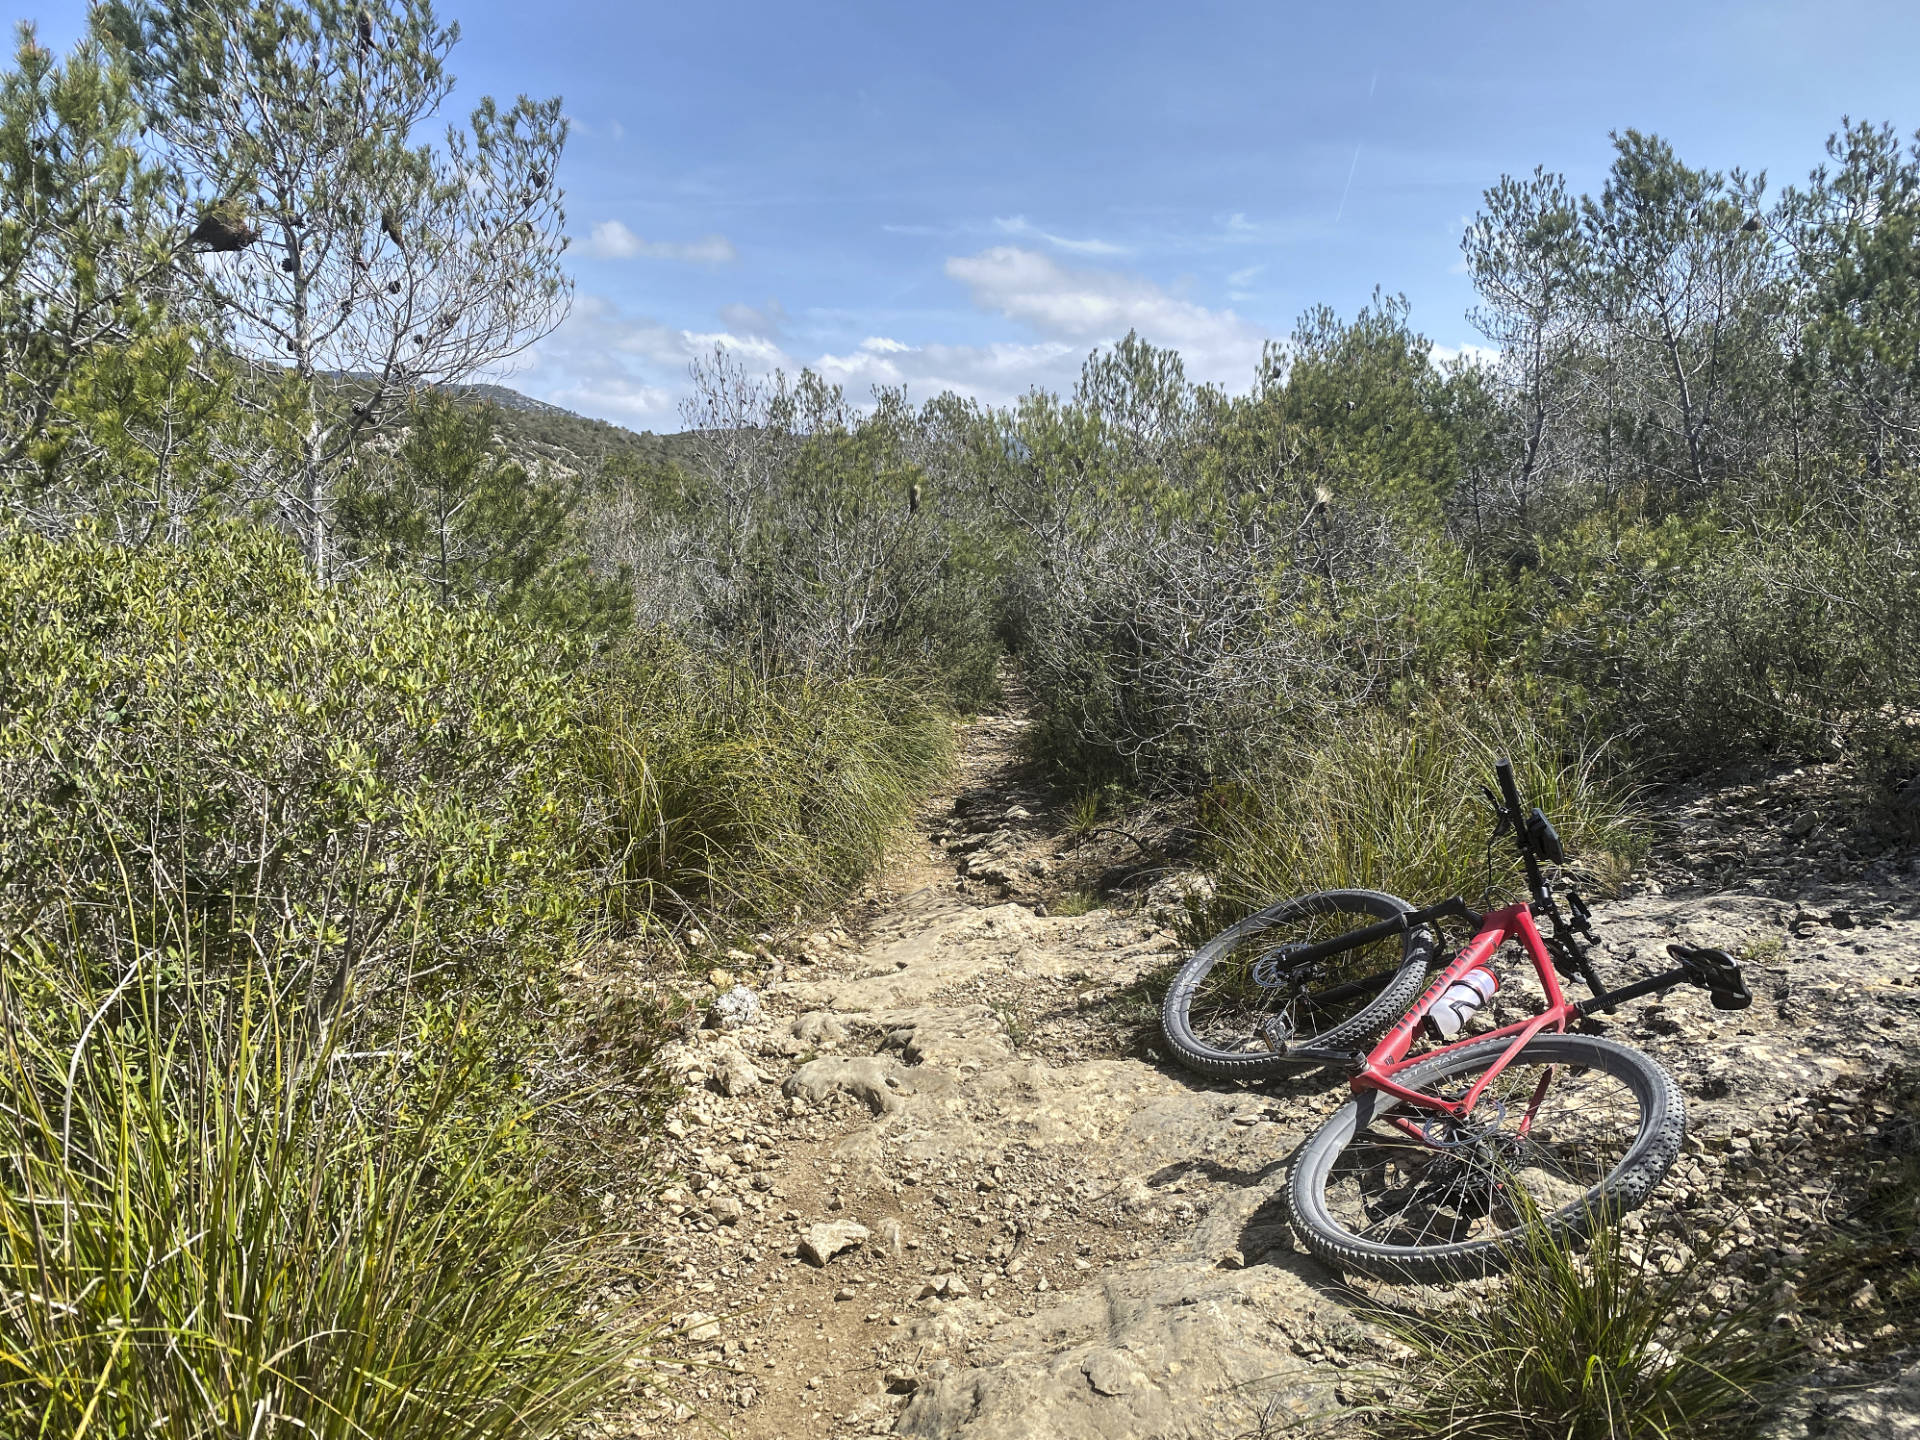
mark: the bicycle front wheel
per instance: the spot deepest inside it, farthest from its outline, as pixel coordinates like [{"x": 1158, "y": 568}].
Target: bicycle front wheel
[
  {"x": 1575, "y": 1129},
  {"x": 1239, "y": 1001}
]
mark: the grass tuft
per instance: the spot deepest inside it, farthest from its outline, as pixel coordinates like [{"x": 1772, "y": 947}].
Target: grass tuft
[
  {"x": 1605, "y": 1343},
  {"x": 215, "y": 1221},
  {"x": 725, "y": 793},
  {"x": 1393, "y": 802}
]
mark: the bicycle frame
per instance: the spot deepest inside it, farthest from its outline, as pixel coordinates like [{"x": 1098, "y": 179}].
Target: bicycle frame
[
  {"x": 1713, "y": 970},
  {"x": 1390, "y": 1056}
]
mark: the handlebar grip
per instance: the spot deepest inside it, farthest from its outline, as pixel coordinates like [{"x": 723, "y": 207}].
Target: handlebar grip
[{"x": 1510, "y": 792}]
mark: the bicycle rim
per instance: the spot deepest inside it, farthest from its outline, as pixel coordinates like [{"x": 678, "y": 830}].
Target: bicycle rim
[
  {"x": 1240, "y": 1001},
  {"x": 1574, "y": 1128}
]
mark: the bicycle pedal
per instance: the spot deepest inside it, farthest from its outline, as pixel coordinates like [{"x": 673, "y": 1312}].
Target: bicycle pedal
[
  {"x": 1716, "y": 972},
  {"x": 1276, "y": 1032}
]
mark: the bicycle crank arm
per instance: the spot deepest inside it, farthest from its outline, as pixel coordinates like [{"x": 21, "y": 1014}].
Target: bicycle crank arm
[{"x": 1714, "y": 971}]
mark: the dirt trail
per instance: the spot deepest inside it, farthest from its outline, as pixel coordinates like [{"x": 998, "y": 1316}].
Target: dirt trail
[{"x": 939, "y": 1187}]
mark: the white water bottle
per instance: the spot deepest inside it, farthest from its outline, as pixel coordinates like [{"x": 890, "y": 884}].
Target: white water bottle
[{"x": 1459, "y": 1001}]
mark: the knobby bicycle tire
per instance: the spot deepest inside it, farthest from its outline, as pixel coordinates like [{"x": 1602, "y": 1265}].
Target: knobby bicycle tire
[
  {"x": 1361, "y": 1125},
  {"x": 1398, "y": 988}
]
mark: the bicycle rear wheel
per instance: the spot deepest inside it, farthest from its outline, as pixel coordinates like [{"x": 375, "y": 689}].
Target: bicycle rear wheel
[
  {"x": 1576, "y": 1128},
  {"x": 1237, "y": 996}
]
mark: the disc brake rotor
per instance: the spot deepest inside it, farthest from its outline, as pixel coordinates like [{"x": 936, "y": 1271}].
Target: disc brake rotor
[{"x": 1443, "y": 1132}]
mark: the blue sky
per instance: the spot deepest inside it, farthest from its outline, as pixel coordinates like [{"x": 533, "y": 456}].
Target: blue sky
[{"x": 973, "y": 196}]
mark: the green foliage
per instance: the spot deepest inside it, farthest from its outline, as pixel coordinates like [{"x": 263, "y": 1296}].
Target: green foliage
[
  {"x": 214, "y": 1222},
  {"x": 1368, "y": 410},
  {"x": 387, "y": 773},
  {"x": 475, "y": 525},
  {"x": 1192, "y": 589},
  {"x": 1392, "y": 801},
  {"x": 801, "y": 537},
  {"x": 1707, "y": 640},
  {"x": 725, "y": 792},
  {"x": 1599, "y": 1345},
  {"x": 1856, "y": 236},
  {"x": 284, "y": 874},
  {"x": 145, "y": 442},
  {"x": 84, "y": 256}
]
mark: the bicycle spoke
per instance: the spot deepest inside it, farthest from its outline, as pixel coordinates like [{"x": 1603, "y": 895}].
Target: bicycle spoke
[
  {"x": 1231, "y": 1008},
  {"x": 1474, "y": 1179}
]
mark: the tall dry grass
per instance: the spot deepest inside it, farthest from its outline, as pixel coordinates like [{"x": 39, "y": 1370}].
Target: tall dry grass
[
  {"x": 723, "y": 793},
  {"x": 218, "y": 1221},
  {"x": 1393, "y": 801}
]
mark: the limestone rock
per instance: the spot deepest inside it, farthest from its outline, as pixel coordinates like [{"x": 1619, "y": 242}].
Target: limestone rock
[
  {"x": 738, "y": 1007},
  {"x": 874, "y": 1081},
  {"x": 1110, "y": 1373},
  {"x": 829, "y": 1238},
  {"x": 732, "y": 1073}
]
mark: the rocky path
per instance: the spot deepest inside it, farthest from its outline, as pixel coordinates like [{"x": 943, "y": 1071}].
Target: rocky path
[{"x": 938, "y": 1184}]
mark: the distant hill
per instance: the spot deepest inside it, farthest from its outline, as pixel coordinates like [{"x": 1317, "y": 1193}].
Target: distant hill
[
  {"x": 535, "y": 430},
  {"x": 556, "y": 434}
]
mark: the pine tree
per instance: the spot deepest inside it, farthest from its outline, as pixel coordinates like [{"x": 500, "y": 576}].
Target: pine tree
[{"x": 335, "y": 241}]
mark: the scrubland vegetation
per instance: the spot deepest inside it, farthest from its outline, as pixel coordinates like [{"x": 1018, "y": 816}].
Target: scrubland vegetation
[{"x": 334, "y": 720}]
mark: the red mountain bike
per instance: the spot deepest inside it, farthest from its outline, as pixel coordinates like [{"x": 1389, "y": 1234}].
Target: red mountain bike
[{"x": 1443, "y": 1157}]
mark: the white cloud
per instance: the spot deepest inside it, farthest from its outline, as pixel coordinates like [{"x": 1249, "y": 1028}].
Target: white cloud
[
  {"x": 611, "y": 240},
  {"x": 1096, "y": 307},
  {"x": 769, "y": 319},
  {"x": 996, "y": 374},
  {"x": 1019, "y": 225},
  {"x": 747, "y": 347},
  {"x": 626, "y": 368},
  {"x": 1473, "y": 354},
  {"x": 633, "y": 368}
]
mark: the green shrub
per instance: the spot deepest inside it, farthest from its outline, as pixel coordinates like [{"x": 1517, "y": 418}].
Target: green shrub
[
  {"x": 1778, "y": 625},
  {"x": 1600, "y": 1345},
  {"x": 1803, "y": 641},
  {"x": 1392, "y": 801},
  {"x": 381, "y": 775},
  {"x": 726, "y": 793},
  {"x": 214, "y": 1223}
]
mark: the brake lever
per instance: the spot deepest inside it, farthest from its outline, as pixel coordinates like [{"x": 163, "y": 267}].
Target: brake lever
[{"x": 1502, "y": 822}]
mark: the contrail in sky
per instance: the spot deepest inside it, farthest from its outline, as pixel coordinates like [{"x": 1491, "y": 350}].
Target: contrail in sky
[
  {"x": 1345, "y": 189},
  {"x": 1349, "y": 185}
]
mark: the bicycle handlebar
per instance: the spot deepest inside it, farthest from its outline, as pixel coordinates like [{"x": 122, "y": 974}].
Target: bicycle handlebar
[{"x": 1517, "y": 817}]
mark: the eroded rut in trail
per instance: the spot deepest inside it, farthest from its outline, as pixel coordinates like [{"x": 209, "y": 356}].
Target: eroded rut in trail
[{"x": 941, "y": 1186}]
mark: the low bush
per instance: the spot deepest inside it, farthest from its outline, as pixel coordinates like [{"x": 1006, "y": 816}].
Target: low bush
[
  {"x": 1782, "y": 628},
  {"x": 365, "y": 771},
  {"x": 724, "y": 794},
  {"x": 1801, "y": 641},
  {"x": 1596, "y": 1345},
  {"x": 1393, "y": 801},
  {"x": 283, "y": 873}
]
